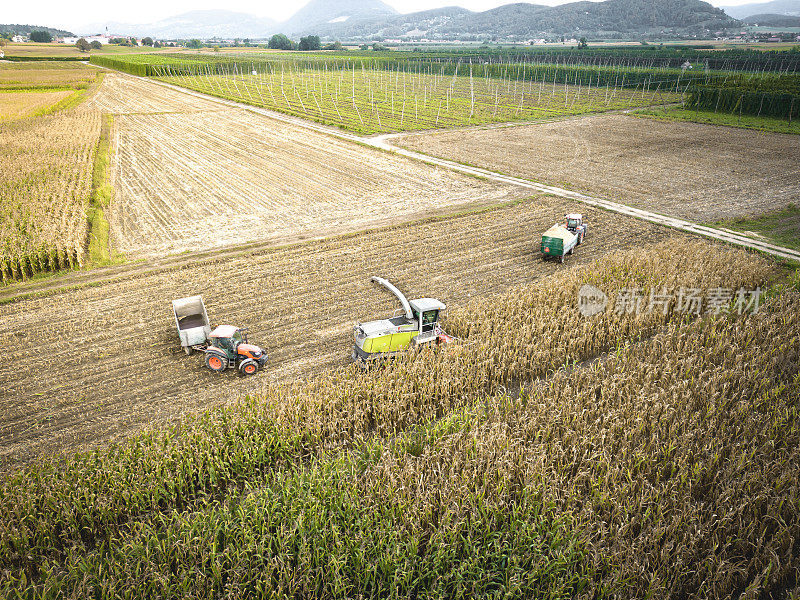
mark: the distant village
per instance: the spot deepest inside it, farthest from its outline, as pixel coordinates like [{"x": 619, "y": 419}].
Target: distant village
[{"x": 97, "y": 41}]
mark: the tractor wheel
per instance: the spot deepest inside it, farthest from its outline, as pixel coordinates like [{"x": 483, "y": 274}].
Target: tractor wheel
[
  {"x": 248, "y": 368},
  {"x": 215, "y": 362}
]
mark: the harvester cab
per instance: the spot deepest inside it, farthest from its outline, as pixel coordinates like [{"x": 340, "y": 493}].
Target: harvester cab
[
  {"x": 417, "y": 325},
  {"x": 574, "y": 223}
]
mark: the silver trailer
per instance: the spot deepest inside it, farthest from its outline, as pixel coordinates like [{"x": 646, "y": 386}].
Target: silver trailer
[{"x": 191, "y": 319}]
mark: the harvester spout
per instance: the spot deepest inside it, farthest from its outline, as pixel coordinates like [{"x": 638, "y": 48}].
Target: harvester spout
[{"x": 396, "y": 292}]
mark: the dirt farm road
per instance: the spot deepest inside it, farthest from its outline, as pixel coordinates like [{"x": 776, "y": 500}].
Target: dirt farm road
[{"x": 382, "y": 142}]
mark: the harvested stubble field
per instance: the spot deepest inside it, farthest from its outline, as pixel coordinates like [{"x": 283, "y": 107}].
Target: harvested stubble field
[
  {"x": 18, "y": 104},
  {"x": 667, "y": 470},
  {"x": 114, "y": 364},
  {"x": 46, "y": 74},
  {"x": 702, "y": 173},
  {"x": 121, "y": 95},
  {"x": 193, "y": 175}
]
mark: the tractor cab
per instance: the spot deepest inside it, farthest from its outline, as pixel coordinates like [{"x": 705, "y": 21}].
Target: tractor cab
[
  {"x": 574, "y": 223},
  {"x": 228, "y": 347},
  {"x": 227, "y": 338},
  {"x": 574, "y": 220}
]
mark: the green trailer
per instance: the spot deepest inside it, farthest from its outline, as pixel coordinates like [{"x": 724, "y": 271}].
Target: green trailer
[{"x": 557, "y": 242}]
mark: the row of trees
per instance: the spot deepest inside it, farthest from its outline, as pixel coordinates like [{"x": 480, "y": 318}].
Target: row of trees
[
  {"x": 147, "y": 41},
  {"x": 42, "y": 37},
  {"x": 85, "y": 46},
  {"x": 311, "y": 42},
  {"x": 280, "y": 41}
]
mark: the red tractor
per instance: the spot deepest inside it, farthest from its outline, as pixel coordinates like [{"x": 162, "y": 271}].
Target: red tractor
[
  {"x": 225, "y": 348},
  {"x": 228, "y": 348},
  {"x": 574, "y": 223}
]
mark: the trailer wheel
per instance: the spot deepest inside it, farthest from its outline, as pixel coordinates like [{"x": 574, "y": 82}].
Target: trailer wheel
[
  {"x": 215, "y": 362},
  {"x": 188, "y": 350}
]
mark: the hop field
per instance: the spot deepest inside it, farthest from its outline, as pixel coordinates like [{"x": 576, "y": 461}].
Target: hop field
[
  {"x": 665, "y": 468},
  {"x": 368, "y": 98}
]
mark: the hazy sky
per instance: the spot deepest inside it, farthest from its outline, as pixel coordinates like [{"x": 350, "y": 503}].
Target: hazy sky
[{"x": 74, "y": 15}]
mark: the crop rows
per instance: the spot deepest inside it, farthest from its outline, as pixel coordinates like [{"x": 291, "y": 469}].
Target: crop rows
[
  {"x": 604, "y": 478},
  {"x": 115, "y": 363},
  {"x": 753, "y": 60},
  {"x": 46, "y": 163},
  {"x": 773, "y": 96},
  {"x": 45, "y": 186}
]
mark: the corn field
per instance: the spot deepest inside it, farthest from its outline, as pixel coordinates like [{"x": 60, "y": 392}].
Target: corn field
[
  {"x": 46, "y": 162},
  {"x": 45, "y": 186},
  {"x": 504, "y": 465}
]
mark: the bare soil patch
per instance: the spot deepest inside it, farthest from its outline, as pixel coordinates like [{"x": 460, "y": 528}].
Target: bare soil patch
[{"x": 687, "y": 170}]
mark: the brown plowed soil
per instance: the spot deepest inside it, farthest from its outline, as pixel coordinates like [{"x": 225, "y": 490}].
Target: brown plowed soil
[{"x": 702, "y": 173}]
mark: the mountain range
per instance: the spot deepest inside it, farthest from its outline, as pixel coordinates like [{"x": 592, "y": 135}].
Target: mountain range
[
  {"x": 203, "y": 24},
  {"x": 16, "y": 29},
  {"x": 773, "y": 20},
  {"x": 524, "y": 20},
  {"x": 775, "y": 7},
  {"x": 373, "y": 19}
]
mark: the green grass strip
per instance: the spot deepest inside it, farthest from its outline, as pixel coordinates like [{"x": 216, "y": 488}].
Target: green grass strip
[
  {"x": 770, "y": 124},
  {"x": 102, "y": 193},
  {"x": 781, "y": 227}
]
